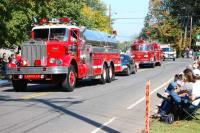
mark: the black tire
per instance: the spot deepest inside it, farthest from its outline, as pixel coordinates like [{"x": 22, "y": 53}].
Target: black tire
[
  {"x": 174, "y": 59},
  {"x": 128, "y": 71},
  {"x": 159, "y": 64},
  {"x": 104, "y": 75},
  {"x": 110, "y": 74},
  {"x": 152, "y": 65},
  {"x": 69, "y": 82},
  {"x": 169, "y": 119},
  {"x": 19, "y": 85}
]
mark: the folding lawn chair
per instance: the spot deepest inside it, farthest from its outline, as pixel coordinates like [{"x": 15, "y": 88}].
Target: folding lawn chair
[
  {"x": 179, "y": 111},
  {"x": 191, "y": 110}
]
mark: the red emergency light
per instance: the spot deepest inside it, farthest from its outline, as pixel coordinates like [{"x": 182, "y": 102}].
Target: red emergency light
[
  {"x": 54, "y": 21},
  {"x": 64, "y": 20},
  {"x": 43, "y": 21},
  {"x": 140, "y": 41}
]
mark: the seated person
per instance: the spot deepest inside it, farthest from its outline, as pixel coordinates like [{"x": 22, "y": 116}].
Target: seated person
[
  {"x": 183, "y": 93},
  {"x": 196, "y": 70},
  {"x": 178, "y": 82},
  {"x": 196, "y": 93}
]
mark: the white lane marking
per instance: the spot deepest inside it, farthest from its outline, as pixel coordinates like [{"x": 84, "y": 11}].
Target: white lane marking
[
  {"x": 143, "y": 98},
  {"x": 142, "y": 70},
  {"x": 105, "y": 124}
]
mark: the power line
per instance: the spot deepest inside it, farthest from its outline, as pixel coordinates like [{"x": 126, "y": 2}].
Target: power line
[{"x": 127, "y": 18}]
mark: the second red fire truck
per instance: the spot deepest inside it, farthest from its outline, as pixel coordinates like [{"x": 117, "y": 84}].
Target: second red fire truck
[
  {"x": 146, "y": 53},
  {"x": 61, "y": 53}
]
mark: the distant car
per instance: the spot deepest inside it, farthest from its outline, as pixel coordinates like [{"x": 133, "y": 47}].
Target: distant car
[
  {"x": 169, "y": 53},
  {"x": 128, "y": 65}
]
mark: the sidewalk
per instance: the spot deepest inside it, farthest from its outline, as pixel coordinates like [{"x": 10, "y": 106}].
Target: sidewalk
[{"x": 4, "y": 82}]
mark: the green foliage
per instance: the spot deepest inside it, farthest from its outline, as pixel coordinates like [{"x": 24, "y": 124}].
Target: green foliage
[
  {"x": 94, "y": 19},
  {"x": 169, "y": 21},
  {"x": 183, "y": 126},
  {"x": 123, "y": 46},
  {"x": 16, "y": 16}
]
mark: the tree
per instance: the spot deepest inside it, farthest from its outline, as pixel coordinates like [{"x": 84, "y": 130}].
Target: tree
[
  {"x": 94, "y": 19},
  {"x": 171, "y": 21},
  {"x": 16, "y": 16}
]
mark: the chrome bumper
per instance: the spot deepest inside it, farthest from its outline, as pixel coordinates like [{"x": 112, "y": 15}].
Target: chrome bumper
[
  {"x": 145, "y": 62},
  {"x": 38, "y": 70},
  {"x": 124, "y": 68}
]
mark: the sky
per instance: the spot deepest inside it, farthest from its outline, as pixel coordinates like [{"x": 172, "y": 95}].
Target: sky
[{"x": 128, "y": 28}]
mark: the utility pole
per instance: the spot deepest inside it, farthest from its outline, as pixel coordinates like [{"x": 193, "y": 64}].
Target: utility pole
[
  {"x": 191, "y": 21},
  {"x": 185, "y": 35},
  {"x": 150, "y": 11},
  {"x": 109, "y": 16}
]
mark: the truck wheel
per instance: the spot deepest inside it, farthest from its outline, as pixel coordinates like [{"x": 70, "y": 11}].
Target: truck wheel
[
  {"x": 19, "y": 85},
  {"x": 103, "y": 75},
  {"x": 70, "y": 80},
  {"x": 110, "y": 74},
  {"x": 135, "y": 69},
  {"x": 169, "y": 119},
  {"x": 128, "y": 72},
  {"x": 174, "y": 59},
  {"x": 159, "y": 64},
  {"x": 153, "y": 65}
]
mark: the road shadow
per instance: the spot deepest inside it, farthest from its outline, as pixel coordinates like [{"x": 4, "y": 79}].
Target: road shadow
[
  {"x": 51, "y": 103},
  {"x": 38, "y": 88},
  {"x": 57, "y": 88},
  {"x": 89, "y": 82},
  {"x": 146, "y": 67}
]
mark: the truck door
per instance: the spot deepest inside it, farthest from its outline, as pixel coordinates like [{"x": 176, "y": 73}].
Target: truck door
[{"x": 74, "y": 41}]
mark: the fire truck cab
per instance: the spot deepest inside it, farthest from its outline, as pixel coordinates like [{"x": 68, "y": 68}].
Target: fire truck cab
[
  {"x": 62, "y": 53},
  {"x": 146, "y": 53}
]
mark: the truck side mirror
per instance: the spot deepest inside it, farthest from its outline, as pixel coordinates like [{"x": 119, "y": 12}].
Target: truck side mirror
[{"x": 74, "y": 40}]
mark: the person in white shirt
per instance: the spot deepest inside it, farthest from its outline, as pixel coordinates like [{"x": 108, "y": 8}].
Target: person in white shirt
[{"x": 196, "y": 93}]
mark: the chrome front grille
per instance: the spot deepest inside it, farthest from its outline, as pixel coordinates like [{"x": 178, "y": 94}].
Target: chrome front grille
[{"x": 32, "y": 51}]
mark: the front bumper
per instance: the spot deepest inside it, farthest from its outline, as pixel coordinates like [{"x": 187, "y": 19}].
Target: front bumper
[
  {"x": 169, "y": 57},
  {"x": 145, "y": 62},
  {"x": 38, "y": 70}
]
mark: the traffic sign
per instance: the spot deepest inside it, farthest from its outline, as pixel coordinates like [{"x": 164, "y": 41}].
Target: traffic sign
[
  {"x": 197, "y": 43},
  {"x": 198, "y": 36}
]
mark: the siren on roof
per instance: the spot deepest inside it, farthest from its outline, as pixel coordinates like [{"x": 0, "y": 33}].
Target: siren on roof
[
  {"x": 54, "y": 21},
  {"x": 44, "y": 21}
]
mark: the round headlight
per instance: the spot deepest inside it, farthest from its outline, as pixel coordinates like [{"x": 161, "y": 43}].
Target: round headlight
[
  {"x": 59, "y": 62},
  {"x": 24, "y": 63},
  {"x": 52, "y": 60},
  {"x": 13, "y": 61}
]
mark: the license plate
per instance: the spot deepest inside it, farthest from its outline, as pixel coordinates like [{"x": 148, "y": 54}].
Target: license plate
[{"x": 32, "y": 76}]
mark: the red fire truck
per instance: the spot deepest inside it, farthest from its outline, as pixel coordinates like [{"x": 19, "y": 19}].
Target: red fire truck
[
  {"x": 146, "y": 53},
  {"x": 62, "y": 53}
]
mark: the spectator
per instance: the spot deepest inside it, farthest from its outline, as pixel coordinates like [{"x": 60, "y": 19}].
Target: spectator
[
  {"x": 18, "y": 54},
  {"x": 187, "y": 52},
  {"x": 191, "y": 53},
  {"x": 4, "y": 63},
  {"x": 11, "y": 58},
  {"x": 185, "y": 93}
]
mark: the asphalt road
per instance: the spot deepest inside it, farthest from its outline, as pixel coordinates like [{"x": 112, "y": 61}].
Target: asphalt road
[{"x": 114, "y": 107}]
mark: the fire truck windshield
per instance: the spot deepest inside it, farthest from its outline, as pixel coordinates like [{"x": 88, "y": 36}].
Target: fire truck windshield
[
  {"x": 167, "y": 50},
  {"x": 60, "y": 34},
  {"x": 144, "y": 47}
]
